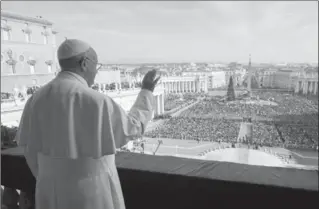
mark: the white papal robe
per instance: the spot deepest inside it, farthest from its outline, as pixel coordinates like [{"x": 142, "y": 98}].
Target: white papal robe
[{"x": 70, "y": 133}]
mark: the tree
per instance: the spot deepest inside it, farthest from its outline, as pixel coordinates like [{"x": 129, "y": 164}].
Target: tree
[{"x": 231, "y": 90}]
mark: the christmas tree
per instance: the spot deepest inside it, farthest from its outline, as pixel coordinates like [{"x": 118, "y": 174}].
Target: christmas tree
[{"x": 231, "y": 90}]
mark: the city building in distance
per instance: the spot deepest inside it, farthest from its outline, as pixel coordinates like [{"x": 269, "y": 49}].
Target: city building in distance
[{"x": 28, "y": 50}]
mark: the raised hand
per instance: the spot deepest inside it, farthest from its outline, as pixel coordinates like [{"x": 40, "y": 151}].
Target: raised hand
[{"x": 149, "y": 82}]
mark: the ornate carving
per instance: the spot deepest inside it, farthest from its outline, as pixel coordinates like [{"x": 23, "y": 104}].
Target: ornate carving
[
  {"x": 6, "y": 27},
  {"x": 27, "y": 30},
  {"x": 9, "y": 53},
  {"x": 45, "y": 33},
  {"x": 11, "y": 62},
  {"x": 21, "y": 58},
  {"x": 32, "y": 62},
  {"x": 49, "y": 62}
]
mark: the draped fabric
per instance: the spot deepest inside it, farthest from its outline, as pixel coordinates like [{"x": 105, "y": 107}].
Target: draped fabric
[{"x": 67, "y": 120}]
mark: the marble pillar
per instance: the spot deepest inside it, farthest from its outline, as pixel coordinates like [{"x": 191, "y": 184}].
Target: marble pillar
[
  {"x": 297, "y": 87},
  {"x": 310, "y": 87},
  {"x": 158, "y": 105},
  {"x": 304, "y": 87},
  {"x": 162, "y": 104},
  {"x": 182, "y": 86},
  {"x": 197, "y": 86}
]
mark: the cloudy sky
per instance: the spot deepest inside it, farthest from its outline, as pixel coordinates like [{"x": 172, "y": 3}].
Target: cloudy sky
[{"x": 187, "y": 31}]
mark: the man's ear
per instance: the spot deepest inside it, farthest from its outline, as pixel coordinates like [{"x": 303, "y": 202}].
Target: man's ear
[{"x": 83, "y": 64}]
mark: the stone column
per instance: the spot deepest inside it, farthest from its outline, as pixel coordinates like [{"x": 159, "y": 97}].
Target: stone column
[
  {"x": 193, "y": 86},
  {"x": 310, "y": 87},
  {"x": 304, "y": 88},
  {"x": 182, "y": 86},
  {"x": 206, "y": 85},
  {"x": 316, "y": 88},
  {"x": 155, "y": 106},
  {"x": 162, "y": 104},
  {"x": 197, "y": 86},
  {"x": 297, "y": 87},
  {"x": 179, "y": 86},
  {"x": 158, "y": 105},
  {"x": 173, "y": 87},
  {"x": 186, "y": 86}
]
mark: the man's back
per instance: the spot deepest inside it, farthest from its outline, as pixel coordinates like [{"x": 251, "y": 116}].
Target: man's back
[
  {"x": 68, "y": 116},
  {"x": 70, "y": 134}
]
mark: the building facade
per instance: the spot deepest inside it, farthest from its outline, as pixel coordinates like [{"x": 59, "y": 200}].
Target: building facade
[
  {"x": 307, "y": 81},
  {"x": 177, "y": 84},
  {"x": 215, "y": 79},
  {"x": 275, "y": 78},
  {"x": 28, "y": 51}
]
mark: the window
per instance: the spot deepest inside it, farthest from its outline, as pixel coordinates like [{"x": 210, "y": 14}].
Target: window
[
  {"x": 32, "y": 69},
  {"x": 21, "y": 58},
  {"x": 45, "y": 40},
  {"x": 6, "y": 30},
  {"x": 2, "y": 61},
  {"x": 27, "y": 33},
  {"x": 49, "y": 68},
  {"x": 45, "y": 35},
  {"x": 6, "y": 35},
  {"x": 28, "y": 38}
]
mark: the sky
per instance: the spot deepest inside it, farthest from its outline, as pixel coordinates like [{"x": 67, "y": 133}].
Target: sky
[{"x": 185, "y": 31}]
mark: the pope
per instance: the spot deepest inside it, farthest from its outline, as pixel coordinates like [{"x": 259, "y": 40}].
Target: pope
[{"x": 70, "y": 134}]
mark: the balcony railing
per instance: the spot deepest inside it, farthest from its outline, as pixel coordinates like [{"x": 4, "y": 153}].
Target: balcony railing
[{"x": 164, "y": 182}]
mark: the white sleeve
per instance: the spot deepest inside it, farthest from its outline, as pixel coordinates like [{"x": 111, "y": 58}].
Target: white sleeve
[
  {"x": 25, "y": 138},
  {"x": 127, "y": 126}
]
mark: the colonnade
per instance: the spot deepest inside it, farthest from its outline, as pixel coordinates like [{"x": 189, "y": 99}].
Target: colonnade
[
  {"x": 307, "y": 86},
  {"x": 159, "y": 104},
  {"x": 183, "y": 86}
]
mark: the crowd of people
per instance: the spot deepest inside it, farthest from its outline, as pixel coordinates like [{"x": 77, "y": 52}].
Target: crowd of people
[
  {"x": 298, "y": 136},
  {"x": 286, "y": 105},
  {"x": 173, "y": 101},
  {"x": 112, "y": 86},
  {"x": 7, "y": 136},
  {"x": 292, "y": 123}
]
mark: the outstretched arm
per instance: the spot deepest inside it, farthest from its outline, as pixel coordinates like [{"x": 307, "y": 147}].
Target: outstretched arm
[
  {"x": 133, "y": 124},
  {"x": 127, "y": 126}
]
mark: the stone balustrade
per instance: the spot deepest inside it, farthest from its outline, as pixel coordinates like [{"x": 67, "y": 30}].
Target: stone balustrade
[{"x": 160, "y": 182}]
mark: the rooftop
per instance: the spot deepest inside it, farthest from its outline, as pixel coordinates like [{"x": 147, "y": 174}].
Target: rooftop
[{"x": 11, "y": 15}]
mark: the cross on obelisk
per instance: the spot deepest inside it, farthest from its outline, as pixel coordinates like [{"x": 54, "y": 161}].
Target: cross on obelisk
[{"x": 249, "y": 78}]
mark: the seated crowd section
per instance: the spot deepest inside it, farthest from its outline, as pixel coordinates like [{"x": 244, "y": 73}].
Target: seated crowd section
[{"x": 292, "y": 122}]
